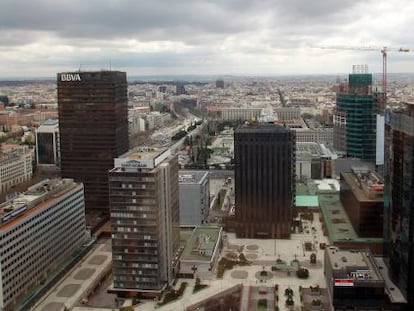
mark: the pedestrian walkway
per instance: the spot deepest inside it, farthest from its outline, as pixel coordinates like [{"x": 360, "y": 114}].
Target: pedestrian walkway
[{"x": 80, "y": 280}]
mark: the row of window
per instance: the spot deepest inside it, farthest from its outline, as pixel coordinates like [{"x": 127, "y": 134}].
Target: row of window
[{"x": 54, "y": 245}]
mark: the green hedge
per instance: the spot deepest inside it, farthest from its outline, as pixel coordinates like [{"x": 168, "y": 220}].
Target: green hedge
[{"x": 173, "y": 294}]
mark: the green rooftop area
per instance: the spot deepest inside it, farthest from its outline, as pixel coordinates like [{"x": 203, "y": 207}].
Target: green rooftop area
[
  {"x": 199, "y": 242},
  {"x": 337, "y": 221},
  {"x": 301, "y": 189},
  {"x": 307, "y": 201}
]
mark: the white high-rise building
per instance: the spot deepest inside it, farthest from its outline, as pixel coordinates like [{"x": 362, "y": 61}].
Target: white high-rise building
[{"x": 38, "y": 229}]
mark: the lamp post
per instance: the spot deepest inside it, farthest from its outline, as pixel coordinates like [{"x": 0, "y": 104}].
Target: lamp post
[{"x": 194, "y": 268}]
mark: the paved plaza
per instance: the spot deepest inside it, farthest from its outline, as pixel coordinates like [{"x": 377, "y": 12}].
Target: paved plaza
[
  {"x": 259, "y": 279},
  {"x": 263, "y": 254}
]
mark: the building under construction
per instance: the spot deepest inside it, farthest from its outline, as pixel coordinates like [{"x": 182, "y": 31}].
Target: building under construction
[{"x": 355, "y": 116}]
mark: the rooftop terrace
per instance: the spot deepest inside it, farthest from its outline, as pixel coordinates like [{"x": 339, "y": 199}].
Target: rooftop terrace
[
  {"x": 34, "y": 196},
  {"x": 354, "y": 264},
  {"x": 365, "y": 184},
  {"x": 191, "y": 177},
  {"x": 200, "y": 242}
]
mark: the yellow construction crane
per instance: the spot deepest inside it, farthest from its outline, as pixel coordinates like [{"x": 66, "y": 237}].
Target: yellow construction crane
[{"x": 384, "y": 51}]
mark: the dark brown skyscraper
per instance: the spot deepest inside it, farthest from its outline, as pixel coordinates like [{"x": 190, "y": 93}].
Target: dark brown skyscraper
[
  {"x": 93, "y": 124},
  {"x": 264, "y": 180}
]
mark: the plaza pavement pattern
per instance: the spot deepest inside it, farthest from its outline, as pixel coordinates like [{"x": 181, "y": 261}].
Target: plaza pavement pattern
[
  {"x": 263, "y": 254},
  {"x": 80, "y": 280}
]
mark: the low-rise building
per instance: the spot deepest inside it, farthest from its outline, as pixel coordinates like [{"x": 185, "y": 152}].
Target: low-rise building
[
  {"x": 354, "y": 281},
  {"x": 38, "y": 229},
  {"x": 362, "y": 195},
  {"x": 201, "y": 251}
]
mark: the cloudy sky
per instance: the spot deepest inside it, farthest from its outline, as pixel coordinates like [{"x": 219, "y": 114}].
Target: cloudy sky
[{"x": 167, "y": 37}]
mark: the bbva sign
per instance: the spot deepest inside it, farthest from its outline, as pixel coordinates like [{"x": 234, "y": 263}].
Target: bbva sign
[{"x": 70, "y": 77}]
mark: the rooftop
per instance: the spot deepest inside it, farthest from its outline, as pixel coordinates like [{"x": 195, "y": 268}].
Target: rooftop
[
  {"x": 309, "y": 147},
  {"x": 317, "y": 186},
  {"x": 191, "y": 177},
  {"x": 51, "y": 122},
  {"x": 141, "y": 157},
  {"x": 307, "y": 200},
  {"x": 33, "y": 197},
  {"x": 200, "y": 243},
  {"x": 337, "y": 221},
  {"x": 262, "y": 127},
  {"x": 354, "y": 264},
  {"x": 313, "y": 149},
  {"x": 12, "y": 152},
  {"x": 365, "y": 184}
]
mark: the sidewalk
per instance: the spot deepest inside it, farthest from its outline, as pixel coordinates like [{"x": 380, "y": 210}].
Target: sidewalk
[{"x": 79, "y": 281}]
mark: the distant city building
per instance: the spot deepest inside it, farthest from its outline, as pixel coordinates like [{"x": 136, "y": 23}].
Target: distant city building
[
  {"x": 362, "y": 195},
  {"x": 28, "y": 117},
  {"x": 307, "y": 130},
  {"x": 93, "y": 125},
  {"x": 162, "y": 88},
  {"x": 4, "y": 99},
  {"x": 313, "y": 161},
  {"x": 399, "y": 199},
  {"x": 354, "y": 280},
  {"x": 287, "y": 113},
  {"x": 180, "y": 89},
  {"x": 355, "y": 118},
  {"x": 194, "y": 197},
  {"x": 47, "y": 144},
  {"x": 38, "y": 229},
  {"x": 220, "y": 84},
  {"x": 16, "y": 166},
  {"x": 264, "y": 180},
  {"x": 242, "y": 114},
  {"x": 144, "y": 199},
  {"x": 322, "y": 135}
]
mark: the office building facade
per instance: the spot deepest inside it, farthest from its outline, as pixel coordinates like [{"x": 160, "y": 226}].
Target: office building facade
[
  {"x": 264, "y": 180},
  {"x": 47, "y": 144},
  {"x": 240, "y": 114},
  {"x": 399, "y": 199},
  {"x": 194, "y": 197},
  {"x": 220, "y": 84},
  {"x": 145, "y": 221},
  {"x": 362, "y": 195},
  {"x": 93, "y": 125},
  {"x": 38, "y": 229}
]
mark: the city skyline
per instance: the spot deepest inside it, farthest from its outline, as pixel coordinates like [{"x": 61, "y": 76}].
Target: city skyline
[{"x": 199, "y": 37}]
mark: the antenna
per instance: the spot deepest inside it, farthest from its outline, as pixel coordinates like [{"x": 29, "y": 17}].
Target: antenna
[
  {"x": 80, "y": 67},
  {"x": 110, "y": 65}
]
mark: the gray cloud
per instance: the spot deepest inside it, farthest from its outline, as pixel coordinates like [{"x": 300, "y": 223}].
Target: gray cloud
[
  {"x": 221, "y": 34},
  {"x": 166, "y": 20}
]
